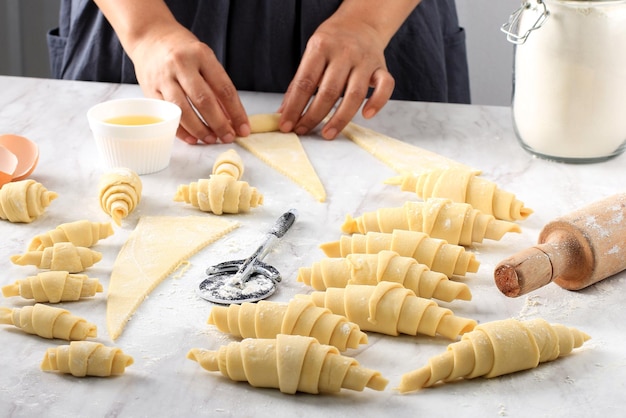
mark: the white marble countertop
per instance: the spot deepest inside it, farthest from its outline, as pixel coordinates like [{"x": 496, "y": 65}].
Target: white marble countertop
[{"x": 162, "y": 382}]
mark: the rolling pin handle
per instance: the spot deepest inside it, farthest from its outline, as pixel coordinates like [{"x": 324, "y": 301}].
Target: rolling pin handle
[{"x": 524, "y": 272}]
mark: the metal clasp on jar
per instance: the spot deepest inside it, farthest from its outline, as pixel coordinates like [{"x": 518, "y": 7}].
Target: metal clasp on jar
[{"x": 515, "y": 33}]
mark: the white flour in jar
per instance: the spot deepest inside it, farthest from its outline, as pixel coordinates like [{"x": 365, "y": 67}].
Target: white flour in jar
[{"x": 570, "y": 81}]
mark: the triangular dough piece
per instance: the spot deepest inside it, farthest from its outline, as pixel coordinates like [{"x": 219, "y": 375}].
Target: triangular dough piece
[
  {"x": 400, "y": 156},
  {"x": 285, "y": 154},
  {"x": 157, "y": 246}
]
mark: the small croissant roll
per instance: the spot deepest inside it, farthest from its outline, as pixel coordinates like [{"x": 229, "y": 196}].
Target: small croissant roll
[
  {"x": 119, "y": 193},
  {"x": 86, "y": 358},
  {"x": 436, "y": 254},
  {"x": 387, "y": 266},
  {"x": 391, "y": 309},
  {"x": 80, "y": 233},
  {"x": 290, "y": 363},
  {"x": 24, "y": 201},
  {"x": 456, "y": 223},
  {"x": 494, "y": 349},
  {"x": 48, "y": 322},
  {"x": 229, "y": 163},
  {"x": 464, "y": 186},
  {"x": 267, "y": 319},
  {"x": 54, "y": 287},
  {"x": 219, "y": 194},
  {"x": 62, "y": 256}
]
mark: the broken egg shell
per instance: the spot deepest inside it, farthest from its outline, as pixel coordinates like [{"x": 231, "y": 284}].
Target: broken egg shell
[
  {"x": 26, "y": 151},
  {"x": 8, "y": 165}
]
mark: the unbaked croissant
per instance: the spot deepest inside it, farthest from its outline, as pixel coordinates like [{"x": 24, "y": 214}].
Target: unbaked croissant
[
  {"x": 229, "y": 163},
  {"x": 24, "y": 201},
  {"x": 267, "y": 319},
  {"x": 290, "y": 363},
  {"x": 48, "y": 322},
  {"x": 62, "y": 256},
  {"x": 436, "y": 254},
  {"x": 461, "y": 185},
  {"x": 219, "y": 194},
  {"x": 86, "y": 358},
  {"x": 80, "y": 233},
  {"x": 54, "y": 287},
  {"x": 386, "y": 266},
  {"x": 389, "y": 308},
  {"x": 264, "y": 122},
  {"x": 456, "y": 223},
  {"x": 496, "y": 348},
  {"x": 119, "y": 193}
]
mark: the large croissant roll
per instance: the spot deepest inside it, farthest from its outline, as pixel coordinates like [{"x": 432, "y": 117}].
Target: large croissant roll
[
  {"x": 229, "y": 163},
  {"x": 80, "y": 233},
  {"x": 62, "y": 256},
  {"x": 24, "y": 201},
  {"x": 120, "y": 193},
  {"x": 386, "y": 266},
  {"x": 219, "y": 194},
  {"x": 389, "y": 308},
  {"x": 456, "y": 223},
  {"x": 461, "y": 185},
  {"x": 496, "y": 348},
  {"x": 54, "y": 287},
  {"x": 436, "y": 254},
  {"x": 290, "y": 363},
  {"x": 86, "y": 358},
  {"x": 264, "y": 122},
  {"x": 299, "y": 317},
  {"x": 48, "y": 322}
]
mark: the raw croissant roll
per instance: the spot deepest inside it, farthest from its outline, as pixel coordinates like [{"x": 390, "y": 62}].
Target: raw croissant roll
[
  {"x": 24, "y": 201},
  {"x": 120, "y": 193},
  {"x": 86, "y": 358},
  {"x": 80, "y": 233},
  {"x": 388, "y": 266},
  {"x": 436, "y": 254},
  {"x": 456, "y": 223},
  {"x": 496, "y": 348},
  {"x": 229, "y": 163},
  {"x": 62, "y": 256},
  {"x": 48, "y": 322},
  {"x": 299, "y": 317},
  {"x": 219, "y": 194},
  {"x": 465, "y": 186},
  {"x": 389, "y": 308},
  {"x": 264, "y": 122},
  {"x": 290, "y": 363},
  {"x": 54, "y": 287}
]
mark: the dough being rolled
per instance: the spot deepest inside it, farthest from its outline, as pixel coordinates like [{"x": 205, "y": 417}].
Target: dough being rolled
[
  {"x": 229, "y": 163},
  {"x": 62, "y": 256},
  {"x": 54, "y": 287},
  {"x": 290, "y": 363},
  {"x": 436, "y": 254},
  {"x": 219, "y": 194},
  {"x": 464, "y": 186},
  {"x": 264, "y": 122},
  {"x": 456, "y": 223},
  {"x": 24, "y": 201},
  {"x": 48, "y": 322},
  {"x": 80, "y": 233},
  {"x": 86, "y": 358},
  {"x": 391, "y": 309},
  {"x": 267, "y": 319},
  {"x": 388, "y": 266},
  {"x": 119, "y": 193},
  {"x": 494, "y": 349}
]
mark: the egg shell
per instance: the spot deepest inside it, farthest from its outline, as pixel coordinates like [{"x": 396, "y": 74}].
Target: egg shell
[
  {"x": 8, "y": 165},
  {"x": 26, "y": 151}
]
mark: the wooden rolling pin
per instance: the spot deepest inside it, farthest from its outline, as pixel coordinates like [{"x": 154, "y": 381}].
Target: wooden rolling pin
[{"x": 573, "y": 251}]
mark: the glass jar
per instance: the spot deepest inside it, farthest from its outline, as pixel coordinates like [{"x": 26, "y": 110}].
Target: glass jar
[{"x": 569, "y": 83}]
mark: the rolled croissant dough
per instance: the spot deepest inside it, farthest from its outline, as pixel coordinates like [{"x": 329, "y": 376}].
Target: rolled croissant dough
[{"x": 154, "y": 249}]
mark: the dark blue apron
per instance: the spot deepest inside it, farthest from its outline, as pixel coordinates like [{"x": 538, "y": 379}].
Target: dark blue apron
[{"x": 260, "y": 44}]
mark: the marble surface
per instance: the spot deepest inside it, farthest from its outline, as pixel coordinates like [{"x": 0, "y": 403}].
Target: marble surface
[{"x": 162, "y": 382}]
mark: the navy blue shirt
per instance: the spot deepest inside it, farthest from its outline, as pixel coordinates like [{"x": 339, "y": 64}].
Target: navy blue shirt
[{"x": 260, "y": 43}]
